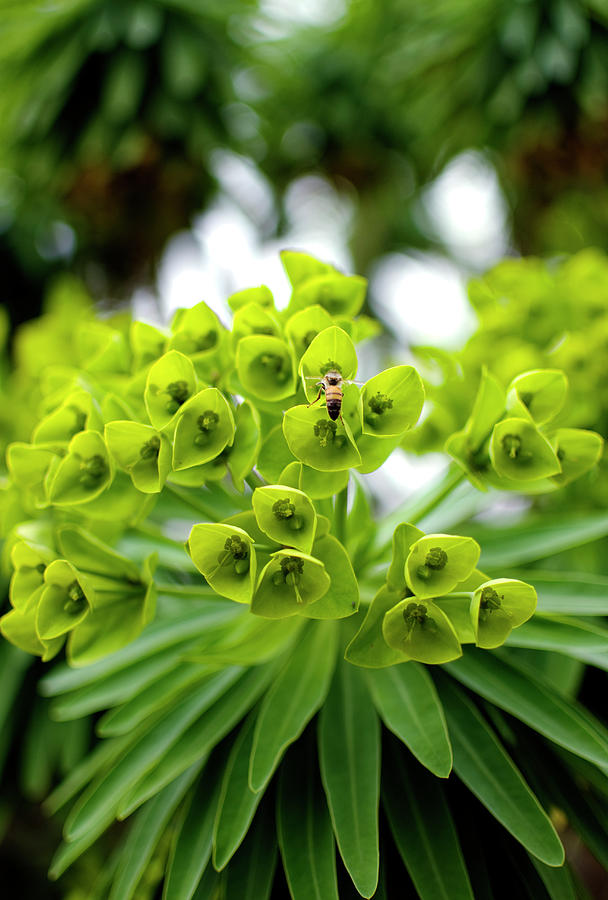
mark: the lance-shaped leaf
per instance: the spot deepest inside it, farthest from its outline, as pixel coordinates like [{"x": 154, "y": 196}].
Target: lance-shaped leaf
[
  {"x": 330, "y": 351},
  {"x": 242, "y": 455},
  {"x": 436, "y": 563},
  {"x": 519, "y": 451},
  {"x": 78, "y": 412},
  {"x": 253, "y": 319},
  {"x": 147, "y": 344},
  {"x": 497, "y": 607},
  {"x": 303, "y": 327},
  {"x": 66, "y": 600},
  {"x": 392, "y": 401},
  {"x": 338, "y": 294},
  {"x": 368, "y": 648},
  {"x": 261, "y": 295},
  {"x": 404, "y": 536},
  {"x": 289, "y": 583},
  {"x": 540, "y": 393},
  {"x": 577, "y": 450},
  {"x": 318, "y": 485},
  {"x": 204, "y": 427},
  {"x": 286, "y": 515},
  {"x": 196, "y": 331},
  {"x": 225, "y": 555},
  {"x": 29, "y": 560},
  {"x": 84, "y": 473},
  {"x": 421, "y": 631},
  {"x": 318, "y": 442},
  {"x": 30, "y": 466},
  {"x": 266, "y": 367},
  {"x": 171, "y": 381},
  {"x": 144, "y": 452}
]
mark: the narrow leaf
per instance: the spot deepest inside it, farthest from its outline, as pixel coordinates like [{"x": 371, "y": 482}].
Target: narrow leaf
[{"x": 251, "y": 872}]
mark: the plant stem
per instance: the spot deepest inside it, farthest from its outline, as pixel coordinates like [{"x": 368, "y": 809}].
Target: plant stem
[
  {"x": 254, "y": 481},
  {"x": 194, "y": 503},
  {"x": 340, "y": 512}
]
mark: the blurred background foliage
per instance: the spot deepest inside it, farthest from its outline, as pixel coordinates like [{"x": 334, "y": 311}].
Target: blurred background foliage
[{"x": 111, "y": 114}]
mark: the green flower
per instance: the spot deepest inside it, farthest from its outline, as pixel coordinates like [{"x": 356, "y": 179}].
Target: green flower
[{"x": 225, "y": 555}]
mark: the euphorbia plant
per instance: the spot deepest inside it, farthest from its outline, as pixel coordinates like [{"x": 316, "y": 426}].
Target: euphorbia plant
[{"x": 190, "y": 485}]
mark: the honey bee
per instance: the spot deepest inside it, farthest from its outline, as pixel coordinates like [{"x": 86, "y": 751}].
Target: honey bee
[{"x": 331, "y": 385}]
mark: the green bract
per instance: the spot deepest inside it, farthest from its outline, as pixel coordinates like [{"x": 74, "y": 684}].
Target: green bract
[
  {"x": 225, "y": 555},
  {"x": 419, "y": 630},
  {"x": 65, "y": 602},
  {"x": 541, "y": 392},
  {"x": 318, "y": 442},
  {"x": 304, "y": 326},
  {"x": 253, "y": 319},
  {"x": 519, "y": 451},
  {"x": 261, "y": 295},
  {"x": 84, "y": 473},
  {"x": 290, "y": 583},
  {"x": 497, "y": 607},
  {"x": 318, "y": 485},
  {"x": 338, "y": 294},
  {"x": 205, "y": 426},
  {"x": 265, "y": 367},
  {"x": 330, "y": 351},
  {"x": 197, "y": 333},
  {"x": 577, "y": 451},
  {"x": 286, "y": 515},
  {"x": 170, "y": 382},
  {"x": 144, "y": 452},
  {"x": 76, "y": 413},
  {"x": 391, "y": 402},
  {"x": 436, "y": 563}
]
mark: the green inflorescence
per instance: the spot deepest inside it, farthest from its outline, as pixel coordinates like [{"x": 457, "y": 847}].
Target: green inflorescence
[
  {"x": 206, "y": 423},
  {"x": 150, "y": 449},
  {"x": 436, "y": 559},
  {"x": 76, "y": 599},
  {"x": 331, "y": 366},
  {"x": 379, "y": 403},
  {"x": 236, "y": 552},
  {"x": 276, "y": 364},
  {"x": 417, "y": 614},
  {"x": 292, "y": 568},
  {"x": 512, "y": 445},
  {"x": 93, "y": 470},
  {"x": 178, "y": 392}
]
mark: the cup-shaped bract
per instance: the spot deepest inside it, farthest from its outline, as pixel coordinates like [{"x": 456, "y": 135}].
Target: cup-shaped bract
[
  {"x": 317, "y": 441},
  {"x": 147, "y": 344},
  {"x": 303, "y": 327},
  {"x": 144, "y": 452},
  {"x": 421, "y": 631},
  {"x": 29, "y": 561},
  {"x": 266, "y": 367},
  {"x": 243, "y": 453},
  {"x": 253, "y": 319},
  {"x": 498, "y": 606},
  {"x": 30, "y": 466},
  {"x": 204, "y": 427},
  {"x": 171, "y": 381},
  {"x": 318, "y": 485},
  {"x": 77, "y": 412},
  {"x": 289, "y": 583},
  {"x": 274, "y": 455},
  {"x": 225, "y": 555},
  {"x": 578, "y": 451},
  {"x": 541, "y": 393},
  {"x": 19, "y": 627},
  {"x": 93, "y": 557},
  {"x": 196, "y": 331},
  {"x": 330, "y": 351},
  {"x": 65, "y": 602},
  {"x": 286, "y": 515},
  {"x": 519, "y": 451},
  {"x": 85, "y": 472},
  {"x": 300, "y": 267},
  {"x": 101, "y": 348},
  {"x": 436, "y": 563},
  {"x": 339, "y": 294},
  {"x": 404, "y": 536},
  {"x": 391, "y": 402},
  {"x": 261, "y": 295},
  {"x": 488, "y": 408}
]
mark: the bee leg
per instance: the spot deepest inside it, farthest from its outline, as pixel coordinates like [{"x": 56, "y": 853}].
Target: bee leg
[
  {"x": 318, "y": 397},
  {"x": 342, "y": 420}
]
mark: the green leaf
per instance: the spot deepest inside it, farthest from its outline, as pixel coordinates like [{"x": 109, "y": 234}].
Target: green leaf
[
  {"x": 145, "y": 833},
  {"x": 423, "y": 829},
  {"x": 391, "y": 402},
  {"x": 349, "y": 755},
  {"x": 487, "y": 770},
  {"x": 487, "y": 410},
  {"x": 342, "y": 597},
  {"x": 89, "y": 554},
  {"x": 536, "y": 704},
  {"x": 297, "y": 693},
  {"x": 237, "y": 803},
  {"x": 191, "y": 846},
  {"x": 304, "y": 828},
  {"x": 225, "y": 555},
  {"x": 536, "y": 538},
  {"x": 251, "y": 872},
  {"x": 578, "y": 593},
  {"x": 286, "y": 515},
  {"x": 243, "y": 454},
  {"x": 368, "y": 647},
  {"x": 436, "y": 563},
  {"x": 557, "y": 881},
  {"x": 563, "y": 635},
  {"x": 409, "y": 706}
]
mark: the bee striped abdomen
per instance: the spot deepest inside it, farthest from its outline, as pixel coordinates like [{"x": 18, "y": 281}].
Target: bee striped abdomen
[{"x": 333, "y": 401}]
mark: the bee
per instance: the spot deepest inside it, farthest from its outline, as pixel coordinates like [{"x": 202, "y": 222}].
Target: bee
[{"x": 331, "y": 385}]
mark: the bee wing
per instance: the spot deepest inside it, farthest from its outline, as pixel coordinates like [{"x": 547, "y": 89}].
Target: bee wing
[{"x": 313, "y": 379}]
